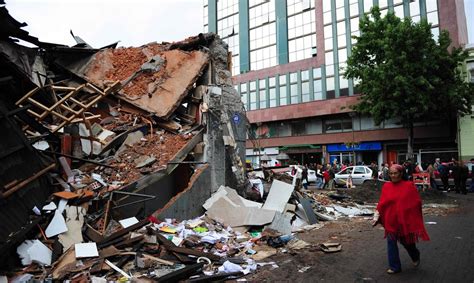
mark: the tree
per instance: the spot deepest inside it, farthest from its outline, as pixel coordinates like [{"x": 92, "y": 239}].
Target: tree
[{"x": 405, "y": 74}]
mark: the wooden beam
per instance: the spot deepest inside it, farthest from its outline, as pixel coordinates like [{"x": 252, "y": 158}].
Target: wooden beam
[{"x": 27, "y": 181}]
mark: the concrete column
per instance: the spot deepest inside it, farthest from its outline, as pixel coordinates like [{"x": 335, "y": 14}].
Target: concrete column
[
  {"x": 212, "y": 15},
  {"x": 335, "y": 49},
  {"x": 281, "y": 31},
  {"x": 406, "y": 8},
  {"x": 244, "y": 36}
]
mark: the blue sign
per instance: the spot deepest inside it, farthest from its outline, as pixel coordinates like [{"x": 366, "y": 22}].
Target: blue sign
[
  {"x": 363, "y": 146},
  {"x": 236, "y": 118}
]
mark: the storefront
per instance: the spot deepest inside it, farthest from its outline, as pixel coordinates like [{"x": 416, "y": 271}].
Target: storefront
[
  {"x": 364, "y": 152},
  {"x": 303, "y": 153}
]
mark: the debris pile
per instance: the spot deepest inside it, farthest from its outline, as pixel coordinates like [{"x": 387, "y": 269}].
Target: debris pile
[{"x": 111, "y": 141}]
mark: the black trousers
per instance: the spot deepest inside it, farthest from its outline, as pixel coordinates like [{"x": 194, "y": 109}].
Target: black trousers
[{"x": 445, "y": 181}]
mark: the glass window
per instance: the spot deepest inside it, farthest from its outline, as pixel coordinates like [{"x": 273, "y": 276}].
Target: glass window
[
  {"x": 354, "y": 9},
  {"x": 301, "y": 31},
  {"x": 298, "y": 128},
  {"x": 313, "y": 126},
  {"x": 399, "y": 12},
  {"x": 337, "y": 124},
  {"x": 414, "y": 8},
  {"x": 262, "y": 34},
  {"x": 346, "y": 171},
  {"x": 294, "y": 93},
  {"x": 317, "y": 73},
  {"x": 431, "y": 5},
  {"x": 359, "y": 170},
  {"x": 432, "y": 18},
  {"x": 367, "y": 6}
]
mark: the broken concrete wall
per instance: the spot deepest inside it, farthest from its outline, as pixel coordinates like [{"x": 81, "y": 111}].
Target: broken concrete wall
[
  {"x": 188, "y": 204},
  {"x": 225, "y": 121}
]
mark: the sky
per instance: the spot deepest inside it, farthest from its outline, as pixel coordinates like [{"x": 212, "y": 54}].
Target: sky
[
  {"x": 101, "y": 22},
  {"x": 132, "y": 22}
]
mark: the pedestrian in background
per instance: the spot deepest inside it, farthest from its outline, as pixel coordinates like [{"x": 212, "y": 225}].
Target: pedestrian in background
[
  {"x": 304, "y": 177},
  {"x": 399, "y": 212},
  {"x": 431, "y": 171},
  {"x": 443, "y": 170},
  {"x": 463, "y": 175},
  {"x": 385, "y": 171},
  {"x": 456, "y": 172},
  {"x": 319, "y": 177}
]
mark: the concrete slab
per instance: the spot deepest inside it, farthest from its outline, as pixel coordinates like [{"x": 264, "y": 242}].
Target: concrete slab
[{"x": 278, "y": 196}]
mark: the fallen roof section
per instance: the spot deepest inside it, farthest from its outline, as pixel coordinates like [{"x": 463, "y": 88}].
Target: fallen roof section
[{"x": 159, "y": 91}]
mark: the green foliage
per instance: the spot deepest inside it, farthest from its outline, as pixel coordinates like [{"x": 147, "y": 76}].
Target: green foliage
[{"x": 404, "y": 73}]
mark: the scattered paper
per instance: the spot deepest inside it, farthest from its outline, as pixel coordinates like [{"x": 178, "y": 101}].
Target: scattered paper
[
  {"x": 177, "y": 240},
  {"x": 56, "y": 226},
  {"x": 229, "y": 267},
  {"x": 41, "y": 145},
  {"x": 304, "y": 269},
  {"x": 50, "y": 206},
  {"x": 431, "y": 223},
  {"x": 127, "y": 222},
  {"x": 86, "y": 250},
  {"x": 36, "y": 210},
  {"x": 34, "y": 251}
]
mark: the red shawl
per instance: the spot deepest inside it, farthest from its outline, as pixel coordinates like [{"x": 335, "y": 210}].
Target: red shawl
[{"x": 400, "y": 212}]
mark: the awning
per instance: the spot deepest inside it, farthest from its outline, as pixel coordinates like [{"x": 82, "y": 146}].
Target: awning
[
  {"x": 363, "y": 146},
  {"x": 300, "y": 148}
]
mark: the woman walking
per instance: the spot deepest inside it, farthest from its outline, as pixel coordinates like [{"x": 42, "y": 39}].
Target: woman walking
[{"x": 399, "y": 212}]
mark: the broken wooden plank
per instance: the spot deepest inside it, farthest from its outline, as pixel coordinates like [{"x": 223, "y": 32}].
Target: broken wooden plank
[
  {"x": 182, "y": 274},
  {"x": 173, "y": 248},
  {"x": 27, "y": 181},
  {"x": 105, "y": 242}
]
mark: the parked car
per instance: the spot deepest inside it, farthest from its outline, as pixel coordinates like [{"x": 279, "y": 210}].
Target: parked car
[
  {"x": 359, "y": 174},
  {"x": 311, "y": 173}
]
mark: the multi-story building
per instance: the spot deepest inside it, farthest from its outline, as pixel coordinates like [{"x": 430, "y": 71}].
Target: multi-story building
[
  {"x": 288, "y": 57},
  {"x": 466, "y": 123}
]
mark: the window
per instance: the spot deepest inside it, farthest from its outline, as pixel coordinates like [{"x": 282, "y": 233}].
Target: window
[
  {"x": 298, "y": 128},
  {"x": 283, "y": 92},
  {"x": 262, "y": 93},
  {"x": 294, "y": 88},
  {"x": 272, "y": 92},
  {"x": 359, "y": 170},
  {"x": 262, "y": 34},
  {"x": 346, "y": 171},
  {"x": 205, "y": 16},
  {"x": 253, "y": 96},
  {"x": 305, "y": 86},
  {"x": 228, "y": 28},
  {"x": 301, "y": 30},
  {"x": 243, "y": 94},
  {"x": 333, "y": 124}
]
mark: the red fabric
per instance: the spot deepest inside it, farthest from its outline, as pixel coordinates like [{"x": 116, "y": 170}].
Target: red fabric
[
  {"x": 326, "y": 176},
  {"x": 400, "y": 212}
]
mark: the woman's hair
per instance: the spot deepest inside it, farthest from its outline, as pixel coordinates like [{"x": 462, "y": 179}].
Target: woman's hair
[{"x": 397, "y": 167}]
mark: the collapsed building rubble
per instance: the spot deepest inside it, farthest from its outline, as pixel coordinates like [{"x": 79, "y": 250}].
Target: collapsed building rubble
[
  {"x": 94, "y": 137},
  {"x": 119, "y": 164}
]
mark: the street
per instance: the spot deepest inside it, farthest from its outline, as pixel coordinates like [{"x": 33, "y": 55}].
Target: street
[{"x": 447, "y": 257}]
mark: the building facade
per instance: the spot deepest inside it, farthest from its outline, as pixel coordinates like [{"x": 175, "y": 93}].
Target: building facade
[
  {"x": 466, "y": 123},
  {"x": 287, "y": 60}
]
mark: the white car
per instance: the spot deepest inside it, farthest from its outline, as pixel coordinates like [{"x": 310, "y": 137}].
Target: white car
[
  {"x": 359, "y": 174},
  {"x": 311, "y": 173}
]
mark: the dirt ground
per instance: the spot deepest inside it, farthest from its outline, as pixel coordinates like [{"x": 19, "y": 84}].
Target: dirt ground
[{"x": 362, "y": 247}]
